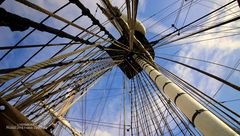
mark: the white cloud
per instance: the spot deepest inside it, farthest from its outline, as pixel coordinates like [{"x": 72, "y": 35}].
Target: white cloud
[
  {"x": 102, "y": 133},
  {"x": 223, "y": 51},
  {"x": 142, "y": 5},
  {"x": 155, "y": 27}
]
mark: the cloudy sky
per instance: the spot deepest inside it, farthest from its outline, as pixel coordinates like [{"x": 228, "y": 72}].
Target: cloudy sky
[{"x": 105, "y": 98}]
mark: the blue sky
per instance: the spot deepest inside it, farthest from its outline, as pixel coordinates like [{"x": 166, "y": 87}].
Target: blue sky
[{"x": 224, "y": 51}]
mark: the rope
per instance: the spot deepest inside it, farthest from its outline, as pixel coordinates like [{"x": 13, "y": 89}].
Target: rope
[{"x": 35, "y": 67}]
